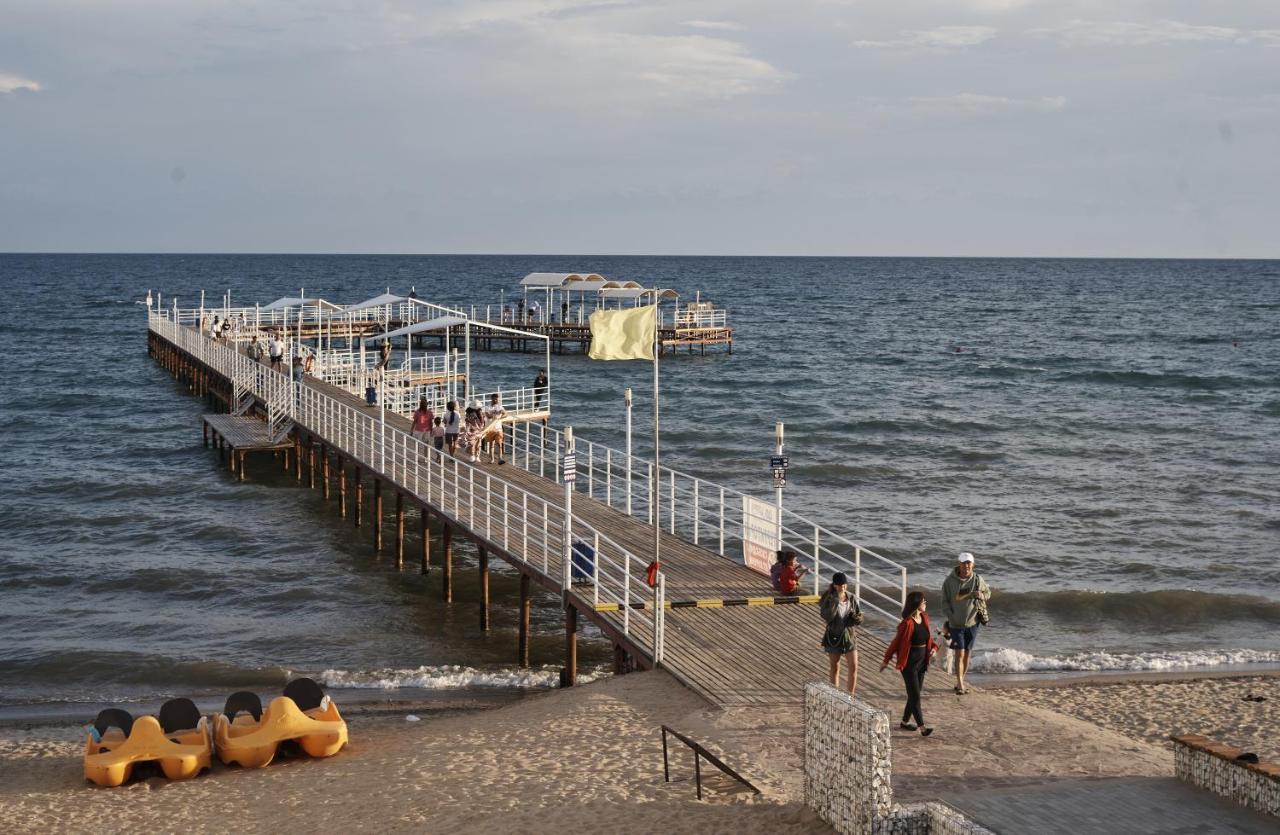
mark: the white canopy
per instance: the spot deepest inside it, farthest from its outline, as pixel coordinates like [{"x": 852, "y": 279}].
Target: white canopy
[
  {"x": 281, "y": 304},
  {"x": 438, "y": 323},
  {"x": 557, "y": 279},
  {"x": 636, "y": 293},
  {"x": 376, "y": 301}
]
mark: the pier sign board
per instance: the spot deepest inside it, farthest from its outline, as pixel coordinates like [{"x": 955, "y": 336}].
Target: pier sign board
[
  {"x": 780, "y": 462},
  {"x": 760, "y": 521},
  {"x": 569, "y": 468}
]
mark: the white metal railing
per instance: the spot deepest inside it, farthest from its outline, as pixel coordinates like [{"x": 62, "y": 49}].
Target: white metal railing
[
  {"x": 707, "y": 514},
  {"x": 532, "y": 529},
  {"x": 692, "y": 318}
]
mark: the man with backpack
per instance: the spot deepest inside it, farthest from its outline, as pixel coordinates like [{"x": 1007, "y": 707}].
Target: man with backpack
[{"x": 964, "y": 601}]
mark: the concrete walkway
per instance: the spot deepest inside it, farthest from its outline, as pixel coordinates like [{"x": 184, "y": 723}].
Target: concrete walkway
[{"x": 1134, "y": 805}]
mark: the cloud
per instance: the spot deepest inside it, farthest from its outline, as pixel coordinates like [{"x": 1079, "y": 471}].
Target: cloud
[
  {"x": 692, "y": 65},
  {"x": 975, "y": 104},
  {"x": 10, "y": 83},
  {"x": 942, "y": 37},
  {"x": 718, "y": 25},
  {"x": 1119, "y": 33}
]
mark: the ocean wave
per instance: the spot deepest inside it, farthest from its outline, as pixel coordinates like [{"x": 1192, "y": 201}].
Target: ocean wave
[
  {"x": 1189, "y": 607},
  {"x": 450, "y": 677},
  {"x": 1147, "y": 379},
  {"x": 1008, "y": 660}
]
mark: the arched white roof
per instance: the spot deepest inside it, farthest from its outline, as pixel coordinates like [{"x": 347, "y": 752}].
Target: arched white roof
[
  {"x": 557, "y": 279},
  {"x": 637, "y": 293}
]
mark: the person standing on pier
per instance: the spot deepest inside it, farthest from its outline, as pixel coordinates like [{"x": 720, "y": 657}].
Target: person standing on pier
[
  {"x": 255, "y": 349},
  {"x": 452, "y": 425},
  {"x": 841, "y": 613},
  {"x": 540, "y": 389},
  {"x": 964, "y": 593},
  {"x": 384, "y": 354},
  {"x": 423, "y": 419},
  {"x": 275, "y": 349},
  {"x": 493, "y": 416},
  {"x": 912, "y": 647}
]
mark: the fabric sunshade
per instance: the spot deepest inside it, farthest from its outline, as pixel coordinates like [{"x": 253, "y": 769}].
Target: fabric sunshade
[{"x": 376, "y": 301}]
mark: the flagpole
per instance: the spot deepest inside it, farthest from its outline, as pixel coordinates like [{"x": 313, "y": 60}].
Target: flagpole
[{"x": 657, "y": 466}]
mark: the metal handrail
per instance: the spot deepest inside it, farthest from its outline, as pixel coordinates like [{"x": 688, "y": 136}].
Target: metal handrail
[
  {"x": 467, "y": 494},
  {"x": 708, "y": 514}
]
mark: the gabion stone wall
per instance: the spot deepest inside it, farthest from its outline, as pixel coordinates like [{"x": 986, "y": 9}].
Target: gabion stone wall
[
  {"x": 847, "y": 767},
  {"x": 931, "y": 818},
  {"x": 1212, "y": 765}
]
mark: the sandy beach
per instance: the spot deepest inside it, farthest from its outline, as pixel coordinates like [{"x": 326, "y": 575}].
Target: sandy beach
[{"x": 590, "y": 759}]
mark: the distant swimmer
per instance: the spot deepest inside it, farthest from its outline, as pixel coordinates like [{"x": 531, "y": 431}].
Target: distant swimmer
[
  {"x": 1235, "y": 343},
  {"x": 959, "y": 350}
]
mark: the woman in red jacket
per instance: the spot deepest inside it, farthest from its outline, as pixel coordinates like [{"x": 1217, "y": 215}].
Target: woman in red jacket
[{"x": 913, "y": 645}]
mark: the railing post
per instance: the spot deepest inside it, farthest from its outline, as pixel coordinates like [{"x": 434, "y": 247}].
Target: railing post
[
  {"x": 722, "y": 521},
  {"x": 817, "y": 565},
  {"x": 566, "y": 580},
  {"x": 695, "y": 511}
]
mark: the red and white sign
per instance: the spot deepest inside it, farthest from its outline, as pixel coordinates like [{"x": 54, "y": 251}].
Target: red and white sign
[{"x": 760, "y": 521}]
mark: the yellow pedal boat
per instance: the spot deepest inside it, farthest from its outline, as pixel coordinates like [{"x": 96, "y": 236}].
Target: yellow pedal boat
[
  {"x": 179, "y": 741},
  {"x": 249, "y": 736}
]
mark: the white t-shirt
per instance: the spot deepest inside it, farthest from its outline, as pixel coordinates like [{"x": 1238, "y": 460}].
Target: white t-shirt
[
  {"x": 452, "y": 423},
  {"x": 843, "y": 609}
]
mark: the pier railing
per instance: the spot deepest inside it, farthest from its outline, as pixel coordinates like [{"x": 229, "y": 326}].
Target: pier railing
[
  {"x": 715, "y": 517},
  {"x": 583, "y": 560}
]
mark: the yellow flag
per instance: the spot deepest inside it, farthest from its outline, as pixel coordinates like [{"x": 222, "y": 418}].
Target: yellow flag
[{"x": 624, "y": 334}]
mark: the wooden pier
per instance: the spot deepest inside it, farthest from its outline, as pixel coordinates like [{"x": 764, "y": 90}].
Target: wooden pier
[{"x": 732, "y": 655}]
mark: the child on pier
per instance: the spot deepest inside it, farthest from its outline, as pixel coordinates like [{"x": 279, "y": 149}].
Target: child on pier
[{"x": 437, "y": 436}]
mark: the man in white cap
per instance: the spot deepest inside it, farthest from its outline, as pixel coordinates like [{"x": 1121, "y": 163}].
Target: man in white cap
[{"x": 961, "y": 592}]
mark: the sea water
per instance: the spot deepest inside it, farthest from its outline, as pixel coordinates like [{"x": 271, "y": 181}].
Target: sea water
[{"x": 1102, "y": 434}]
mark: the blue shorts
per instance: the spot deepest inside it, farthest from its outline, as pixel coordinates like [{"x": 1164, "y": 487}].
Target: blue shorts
[{"x": 963, "y": 637}]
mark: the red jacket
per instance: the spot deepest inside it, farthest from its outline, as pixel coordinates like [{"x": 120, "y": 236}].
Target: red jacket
[{"x": 901, "y": 643}]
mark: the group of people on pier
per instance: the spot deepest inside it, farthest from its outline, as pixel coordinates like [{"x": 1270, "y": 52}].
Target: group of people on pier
[
  {"x": 913, "y": 647},
  {"x": 472, "y": 434}
]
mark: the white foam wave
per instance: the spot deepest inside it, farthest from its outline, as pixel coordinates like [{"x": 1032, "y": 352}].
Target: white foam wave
[
  {"x": 450, "y": 677},
  {"x": 1006, "y": 660}
]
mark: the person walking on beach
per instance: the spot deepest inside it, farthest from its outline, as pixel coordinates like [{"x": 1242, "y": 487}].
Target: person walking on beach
[
  {"x": 423, "y": 419},
  {"x": 452, "y": 425},
  {"x": 963, "y": 592},
  {"x": 841, "y": 613},
  {"x": 912, "y": 648}
]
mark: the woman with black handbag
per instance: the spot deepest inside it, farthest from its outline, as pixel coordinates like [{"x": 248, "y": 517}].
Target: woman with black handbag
[{"x": 841, "y": 613}]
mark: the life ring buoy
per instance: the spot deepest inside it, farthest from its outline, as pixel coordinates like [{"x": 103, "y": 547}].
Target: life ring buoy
[{"x": 651, "y": 574}]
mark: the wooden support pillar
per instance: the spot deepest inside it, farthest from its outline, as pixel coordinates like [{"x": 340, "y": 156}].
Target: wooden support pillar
[
  {"x": 570, "y": 675},
  {"x": 222, "y": 452},
  {"x": 526, "y": 608},
  {"x": 359, "y": 497},
  {"x": 399, "y": 529},
  {"x": 377, "y": 515},
  {"x": 284, "y": 459},
  {"x": 324, "y": 474},
  {"x": 446, "y": 547},
  {"x": 204, "y": 434},
  {"x": 242, "y": 457},
  {"x": 297, "y": 457},
  {"x": 424, "y": 521},
  {"x": 484, "y": 590},
  {"x": 311, "y": 463},
  {"x": 342, "y": 487}
]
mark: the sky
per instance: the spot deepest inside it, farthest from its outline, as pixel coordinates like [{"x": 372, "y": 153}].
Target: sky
[{"x": 1090, "y": 128}]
